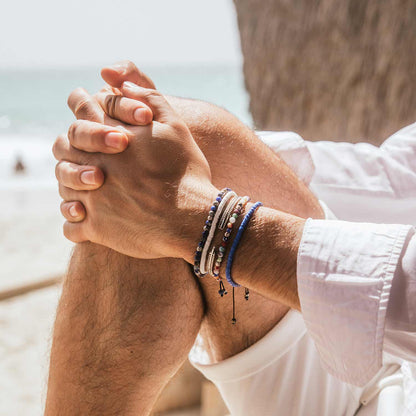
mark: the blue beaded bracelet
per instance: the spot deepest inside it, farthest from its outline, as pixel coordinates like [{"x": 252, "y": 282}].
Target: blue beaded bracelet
[{"x": 236, "y": 242}]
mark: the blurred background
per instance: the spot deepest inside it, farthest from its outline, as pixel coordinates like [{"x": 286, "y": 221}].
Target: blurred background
[{"x": 328, "y": 70}]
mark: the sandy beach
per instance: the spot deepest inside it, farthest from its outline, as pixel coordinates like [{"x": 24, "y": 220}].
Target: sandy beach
[
  {"x": 32, "y": 249},
  {"x": 25, "y": 332}
]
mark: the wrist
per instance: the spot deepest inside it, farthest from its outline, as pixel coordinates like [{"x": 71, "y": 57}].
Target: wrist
[
  {"x": 270, "y": 243},
  {"x": 192, "y": 215}
]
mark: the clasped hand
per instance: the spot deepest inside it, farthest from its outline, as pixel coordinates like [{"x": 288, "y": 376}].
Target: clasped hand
[{"x": 142, "y": 190}]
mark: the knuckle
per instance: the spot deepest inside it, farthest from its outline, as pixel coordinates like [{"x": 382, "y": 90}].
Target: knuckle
[
  {"x": 61, "y": 190},
  {"x": 71, "y": 177},
  {"x": 68, "y": 232},
  {"x": 57, "y": 146},
  {"x": 74, "y": 95},
  {"x": 62, "y": 173},
  {"x": 73, "y": 130},
  {"x": 58, "y": 171},
  {"x": 63, "y": 207},
  {"x": 105, "y": 90},
  {"x": 152, "y": 94},
  {"x": 83, "y": 108},
  {"x": 73, "y": 232},
  {"x": 110, "y": 104},
  {"x": 178, "y": 126},
  {"x": 65, "y": 210},
  {"x": 131, "y": 67}
]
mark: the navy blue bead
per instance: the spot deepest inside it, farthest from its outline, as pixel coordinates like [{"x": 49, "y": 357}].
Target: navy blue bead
[
  {"x": 225, "y": 238},
  {"x": 218, "y": 198},
  {"x": 208, "y": 222},
  {"x": 228, "y": 230},
  {"x": 213, "y": 208}
]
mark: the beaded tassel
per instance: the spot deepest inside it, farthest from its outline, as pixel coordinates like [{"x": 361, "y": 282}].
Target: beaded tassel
[
  {"x": 223, "y": 290},
  {"x": 234, "y": 321}
]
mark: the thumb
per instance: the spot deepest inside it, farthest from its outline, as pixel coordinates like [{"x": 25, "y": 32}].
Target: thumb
[
  {"x": 162, "y": 111},
  {"x": 116, "y": 74}
]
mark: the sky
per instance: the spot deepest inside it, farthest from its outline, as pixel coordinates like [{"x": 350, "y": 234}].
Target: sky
[{"x": 77, "y": 33}]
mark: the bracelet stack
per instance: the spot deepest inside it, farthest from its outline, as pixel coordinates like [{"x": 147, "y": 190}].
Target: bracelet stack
[
  {"x": 205, "y": 233},
  {"x": 223, "y": 214}
]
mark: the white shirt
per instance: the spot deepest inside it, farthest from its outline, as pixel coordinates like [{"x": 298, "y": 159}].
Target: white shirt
[{"x": 357, "y": 281}]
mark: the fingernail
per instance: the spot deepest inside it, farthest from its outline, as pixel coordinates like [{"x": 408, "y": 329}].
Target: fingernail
[
  {"x": 129, "y": 85},
  {"x": 115, "y": 140},
  {"x": 140, "y": 115},
  {"x": 88, "y": 177},
  {"x": 73, "y": 211}
]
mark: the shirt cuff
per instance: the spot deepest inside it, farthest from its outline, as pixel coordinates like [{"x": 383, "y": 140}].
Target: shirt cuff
[{"x": 344, "y": 275}]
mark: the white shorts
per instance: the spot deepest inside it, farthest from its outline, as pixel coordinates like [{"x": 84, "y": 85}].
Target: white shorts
[{"x": 281, "y": 374}]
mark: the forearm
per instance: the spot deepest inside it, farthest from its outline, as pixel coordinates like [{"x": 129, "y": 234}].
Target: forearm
[
  {"x": 266, "y": 258},
  {"x": 240, "y": 160}
]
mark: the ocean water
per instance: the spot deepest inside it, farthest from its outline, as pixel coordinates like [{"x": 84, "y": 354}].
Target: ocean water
[{"x": 33, "y": 109}]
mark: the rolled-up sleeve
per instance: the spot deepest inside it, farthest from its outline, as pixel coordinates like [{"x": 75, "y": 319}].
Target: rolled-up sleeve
[{"x": 345, "y": 274}]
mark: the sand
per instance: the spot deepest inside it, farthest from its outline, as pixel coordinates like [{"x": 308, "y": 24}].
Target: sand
[
  {"x": 31, "y": 248},
  {"x": 25, "y": 333}
]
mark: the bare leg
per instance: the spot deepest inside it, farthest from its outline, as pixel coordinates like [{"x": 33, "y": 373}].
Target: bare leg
[{"x": 124, "y": 326}]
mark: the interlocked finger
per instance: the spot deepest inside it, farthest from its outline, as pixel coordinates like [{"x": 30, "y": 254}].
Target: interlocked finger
[
  {"x": 84, "y": 106},
  {"x": 79, "y": 177},
  {"x": 73, "y": 211},
  {"x": 125, "y": 109},
  {"x": 94, "y": 137}
]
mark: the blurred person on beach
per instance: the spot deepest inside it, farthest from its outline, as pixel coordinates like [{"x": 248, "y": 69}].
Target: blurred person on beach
[
  {"x": 19, "y": 167},
  {"x": 138, "y": 172}
]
